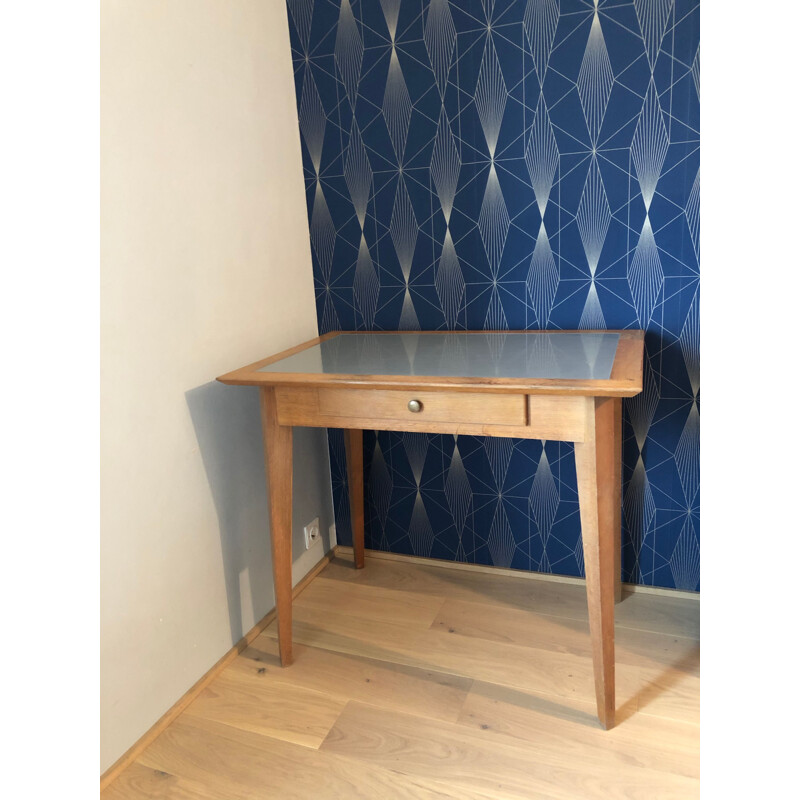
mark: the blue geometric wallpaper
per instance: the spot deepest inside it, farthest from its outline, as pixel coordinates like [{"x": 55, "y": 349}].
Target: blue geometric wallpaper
[{"x": 512, "y": 164}]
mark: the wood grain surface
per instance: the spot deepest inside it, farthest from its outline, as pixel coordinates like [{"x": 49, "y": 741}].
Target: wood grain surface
[{"x": 417, "y": 681}]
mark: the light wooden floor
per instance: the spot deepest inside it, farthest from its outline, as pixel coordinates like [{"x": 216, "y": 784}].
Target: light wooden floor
[{"x": 415, "y": 681}]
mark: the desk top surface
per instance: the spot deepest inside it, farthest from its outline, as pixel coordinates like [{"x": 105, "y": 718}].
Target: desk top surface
[
  {"x": 582, "y": 362},
  {"x": 579, "y": 356}
]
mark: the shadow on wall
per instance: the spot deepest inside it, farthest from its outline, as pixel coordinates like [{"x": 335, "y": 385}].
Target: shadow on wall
[
  {"x": 228, "y": 428},
  {"x": 227, "y": 423}
]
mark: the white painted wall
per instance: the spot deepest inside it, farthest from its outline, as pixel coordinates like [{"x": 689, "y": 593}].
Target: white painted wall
[{"x": 206, "y": 266}]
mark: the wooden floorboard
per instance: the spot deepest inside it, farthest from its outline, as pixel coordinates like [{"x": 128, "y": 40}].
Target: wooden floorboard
[
  {"x": 563, "y": 675},
  {"x": 490, "y": 762},
  {"x": 293, "y": 713},
  {"x": 530, "y": 629},
  {"x": 676, "y": 615},
  {"x": 414, "y": 681},
  {"x": 343, "y": 676}
]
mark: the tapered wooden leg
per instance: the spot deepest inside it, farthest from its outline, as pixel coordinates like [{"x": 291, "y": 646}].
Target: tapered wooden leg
[
  {"x": 617, "y": 499},
  {"x": 355, "y": 479},
  {"x": 278, "y": 458},
  {"x": 594, "y": 460}
]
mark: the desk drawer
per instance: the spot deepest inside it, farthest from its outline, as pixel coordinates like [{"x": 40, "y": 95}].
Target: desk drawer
[{"x": 363, "y": 405}]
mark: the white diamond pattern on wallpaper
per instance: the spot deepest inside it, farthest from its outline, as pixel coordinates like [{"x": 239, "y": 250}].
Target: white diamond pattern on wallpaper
[
  {"x": 323, "y": 233},
  {"x": 329, "y": 316},
  {"x": 358, "y": 174},
  {"x": 649, "y": 145},
  {"x": 540, "y": 22},
  {"x": 493, "y": 221},
  {"x": 366, "y": 285},
  {"x": 403, "y": 228},
  {"x": 541, "y": 155},
  {"x": 311, "y": 116},
  {"x": 397, "y": 106},
  {"x": 541, "y": 160},
  {"x": 391, "y": 11},
  {"x": 339, "y": 455},
  {"x": 693, "y": 214},
  {"x": 495, "y": 315},
  {"x": 338, "y": 471},
  {"x": 592, "y": 316},
  {"x": 687, "y": 454},
  {"x": 578, "y": 554},
  {"x": 380, "y": 484},
  {"x": 685, "y": 561},
  {"x": 457, "y": 490},
  {"x": 416, "y": 447},
  {"x": 440, "y": 39},
  {"x": 696, "y": 72},
  {"x": 642, "y": 408},
  {"x": 653, "y": 17},
  {"x": 498, "y": 452},
  {"x": 638, "y": 503},
  {"x": 490, "y": 96},
  {"x": 543, "y": 498},
  {"x": 690, "y": 344},
  {"x": 501, "y": 540},
  {"x": 408, "y": 315},
  {"x": 449, "y": 282},
  {"x": 645, "y": 274},
  {"x": 594, "y": 216},
  {"x": 595, "y": 80},
  {"x": 420, "y": 531},
  {"x": 542, "y": 282},
  {"x": 348, "y": 51},
  {"x": 302, "y": 12},
  {"x": 445, "y": 165}
]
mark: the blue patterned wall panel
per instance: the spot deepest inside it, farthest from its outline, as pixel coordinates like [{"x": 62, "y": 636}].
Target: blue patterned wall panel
[{"x": 512, "y": 165}]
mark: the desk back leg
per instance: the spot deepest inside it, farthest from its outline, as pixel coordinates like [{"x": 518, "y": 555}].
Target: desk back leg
[
  {"x": 278, "y": 460},
  {"x": 594, "y": 461},
  {"x": 354, "y": 445}
]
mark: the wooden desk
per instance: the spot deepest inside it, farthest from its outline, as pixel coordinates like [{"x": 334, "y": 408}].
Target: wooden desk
[{"x": 564, "y": 385}]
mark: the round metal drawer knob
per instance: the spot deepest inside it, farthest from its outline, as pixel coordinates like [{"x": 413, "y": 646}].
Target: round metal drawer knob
[{"x": 414, "y": 406}]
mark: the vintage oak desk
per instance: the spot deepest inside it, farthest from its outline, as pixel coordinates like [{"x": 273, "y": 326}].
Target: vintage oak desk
[{"x": 564, "y": 385}]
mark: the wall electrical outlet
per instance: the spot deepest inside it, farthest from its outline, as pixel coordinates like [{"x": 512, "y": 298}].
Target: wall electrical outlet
[{"x": 312, "y": 532}]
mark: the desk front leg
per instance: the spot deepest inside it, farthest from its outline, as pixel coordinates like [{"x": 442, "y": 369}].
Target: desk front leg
[
  {"x": 596, "y": 470},
  {"x": 617, "y": 499},
  {"x": 278, "y": 460}
]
